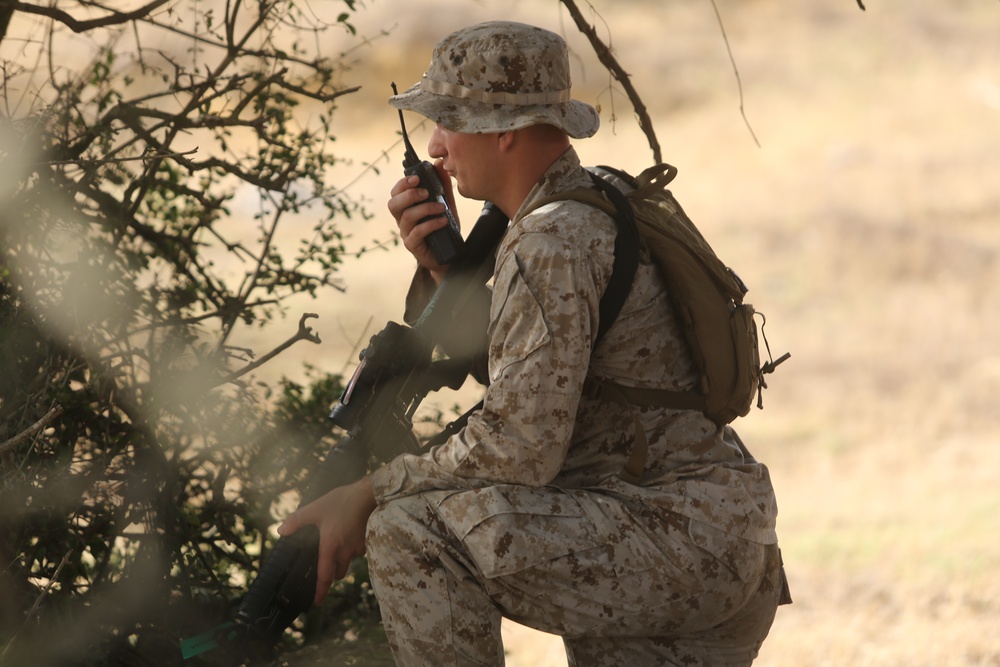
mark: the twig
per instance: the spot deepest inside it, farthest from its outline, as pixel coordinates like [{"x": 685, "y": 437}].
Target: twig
[
  {"x": 152, "y": 156},
  {"x": 355, "y": 346},
  {"x": 739, "y": 82},
  {"x": 608, "y": 60},
  {"x": 38, "y": 601},
  {"x": 304, "y": 333},
  {"x": 861, "y": 5},
  {"x": 31, "y": 431}
]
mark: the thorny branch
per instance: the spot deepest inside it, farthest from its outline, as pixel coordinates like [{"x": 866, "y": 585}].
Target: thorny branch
[{"x": 112, "y": 137}]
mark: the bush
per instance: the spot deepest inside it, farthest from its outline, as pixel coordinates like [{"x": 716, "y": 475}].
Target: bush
[{"x": 139, "y": 466}]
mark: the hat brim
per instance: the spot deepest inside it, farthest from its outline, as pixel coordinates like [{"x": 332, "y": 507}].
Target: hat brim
[{"x": 577, "y": 119}]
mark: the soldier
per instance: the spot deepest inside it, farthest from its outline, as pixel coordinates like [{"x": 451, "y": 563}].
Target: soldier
[{"x": 542, "y": 509}]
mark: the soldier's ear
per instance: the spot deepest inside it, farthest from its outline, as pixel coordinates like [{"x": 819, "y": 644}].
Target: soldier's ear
[{"x": 506, "y": 139}]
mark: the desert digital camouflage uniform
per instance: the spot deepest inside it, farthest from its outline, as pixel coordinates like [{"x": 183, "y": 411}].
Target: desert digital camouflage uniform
[{"x": 525, "y": 513}]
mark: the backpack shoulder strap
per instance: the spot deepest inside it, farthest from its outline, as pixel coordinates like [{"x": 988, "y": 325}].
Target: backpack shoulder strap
[{"x": 626, "y": 256}]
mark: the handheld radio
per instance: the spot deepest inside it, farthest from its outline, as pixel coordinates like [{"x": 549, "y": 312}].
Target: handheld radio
[{"x": 445, "y": 243}]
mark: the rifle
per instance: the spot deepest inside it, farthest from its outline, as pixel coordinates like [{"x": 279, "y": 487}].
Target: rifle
[{"x": 376, "y": 409}]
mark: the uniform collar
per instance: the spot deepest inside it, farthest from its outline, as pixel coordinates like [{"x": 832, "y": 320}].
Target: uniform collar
[{"x": 564, "y": 174}]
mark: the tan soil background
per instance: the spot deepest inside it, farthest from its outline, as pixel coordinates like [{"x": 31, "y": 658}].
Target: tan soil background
[{"x": 865, "y": 223}]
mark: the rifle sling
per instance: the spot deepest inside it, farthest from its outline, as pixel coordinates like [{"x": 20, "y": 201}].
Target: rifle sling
[{"x": 468, "y": 273}]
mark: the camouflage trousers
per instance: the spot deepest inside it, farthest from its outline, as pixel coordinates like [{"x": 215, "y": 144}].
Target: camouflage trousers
[{"x": 622, "y": 584}]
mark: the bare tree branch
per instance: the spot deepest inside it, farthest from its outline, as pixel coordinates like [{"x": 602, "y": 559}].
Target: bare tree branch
[
  {"x": 6, "y": 13},
  {"x": 120, "y": 159},
  {"x": 739, "y": 81},
  {"x": 304, "y": 333},
  {"x": 38, "y": 601},
  {"x": 74, "y": 24},
  {"x": 316, "y": 95},
  {"x": 31, "y": 431},
  {"x": 608, "y": 60}
]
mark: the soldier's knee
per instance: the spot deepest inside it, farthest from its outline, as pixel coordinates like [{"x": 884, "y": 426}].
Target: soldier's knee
[
  {"x": 381, "y": 531},
  {"x": 396, "y": 526}
]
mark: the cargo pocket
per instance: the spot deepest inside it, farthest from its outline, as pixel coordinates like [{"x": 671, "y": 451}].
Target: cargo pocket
[
  {"x": 631, "y": 548},
  {"x": 745, "y": 559},
  {"x": 509, "y": 528}
]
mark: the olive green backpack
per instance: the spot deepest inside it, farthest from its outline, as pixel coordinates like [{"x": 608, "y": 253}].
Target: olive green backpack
[{"x": 708, "y": 297}]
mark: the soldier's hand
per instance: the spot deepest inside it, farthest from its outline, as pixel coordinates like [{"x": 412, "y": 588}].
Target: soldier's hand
[
  {"x": 342, "y": 518},
  {"x": 406, "y": 204}
]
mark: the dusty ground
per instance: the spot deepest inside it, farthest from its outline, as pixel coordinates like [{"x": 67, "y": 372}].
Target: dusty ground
[{"x": 866, "y": 225}]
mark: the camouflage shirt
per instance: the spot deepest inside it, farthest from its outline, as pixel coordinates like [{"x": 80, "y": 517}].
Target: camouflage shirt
[{"x": 538, "y": 428}]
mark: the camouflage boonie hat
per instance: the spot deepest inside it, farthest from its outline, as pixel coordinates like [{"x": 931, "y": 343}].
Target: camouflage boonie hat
[{"x": 499, "y": 76}]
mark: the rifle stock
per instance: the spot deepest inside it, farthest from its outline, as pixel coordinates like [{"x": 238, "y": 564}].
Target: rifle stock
[{"x": 286, "y": 583}]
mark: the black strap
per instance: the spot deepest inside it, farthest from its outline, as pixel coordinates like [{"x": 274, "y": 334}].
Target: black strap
[
  {"x": 626, "y": 263},
  {"x": 472, "y": 269},
  {"x": 453, "y": 427},
  {"x": 626, "y": 257}
]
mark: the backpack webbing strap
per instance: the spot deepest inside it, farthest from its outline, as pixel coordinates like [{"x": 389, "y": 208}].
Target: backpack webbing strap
[{"x": 650, "y": 398}]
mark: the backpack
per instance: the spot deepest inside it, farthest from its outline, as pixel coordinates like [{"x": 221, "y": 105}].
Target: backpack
[{"x": 707, "y": 295}]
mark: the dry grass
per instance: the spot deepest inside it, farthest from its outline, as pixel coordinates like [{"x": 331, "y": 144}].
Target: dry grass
[{"x": 866, "y": 226}]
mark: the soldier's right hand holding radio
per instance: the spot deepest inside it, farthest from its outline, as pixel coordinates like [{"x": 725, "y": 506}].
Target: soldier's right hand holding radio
[
  {"x": 423, "y": 204},
  {"x": 418, "y": 218}
]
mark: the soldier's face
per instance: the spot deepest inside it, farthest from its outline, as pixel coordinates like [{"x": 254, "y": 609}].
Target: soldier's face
[{"x": 468, "y": 158}]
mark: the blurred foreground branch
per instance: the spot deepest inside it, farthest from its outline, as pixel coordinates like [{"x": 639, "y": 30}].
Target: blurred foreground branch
[{"x": 133, "y": 498}]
